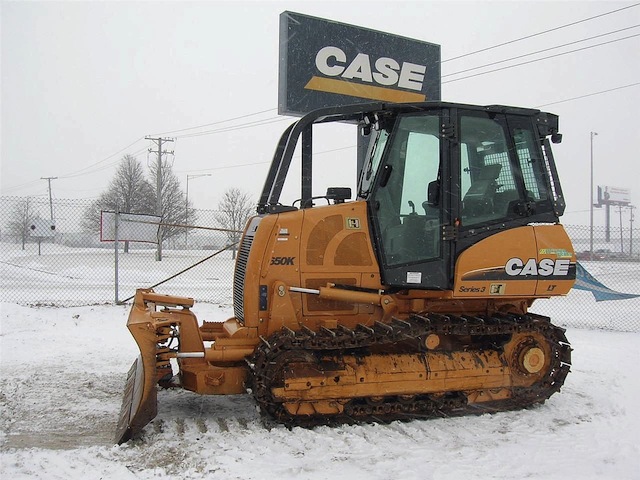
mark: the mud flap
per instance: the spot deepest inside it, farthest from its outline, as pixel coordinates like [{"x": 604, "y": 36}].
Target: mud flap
[{"x": 139, "y": 404}]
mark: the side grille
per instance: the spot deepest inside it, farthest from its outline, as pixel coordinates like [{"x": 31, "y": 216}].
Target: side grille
[{"x": 241, "y": 268}]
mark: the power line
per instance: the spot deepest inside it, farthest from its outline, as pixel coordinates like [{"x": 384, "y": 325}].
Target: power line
[
  {"x": 540, "y": 51},
  {"x": 22, "y": 185},
  {"x": 218, "y": 122},
  {"x": 540, "y": 59},
  {"x": 241, "y": 126},
  {"x": 83, "y": 171},
  {"x": 89, "y": 169},
  {"x": 70, "y": 175},
  {"x": 267, "y": 121},
  {"x": 274, "y": 120},
  {"x": 224, "y": 167},
  {"x": 540, "y": 33},
  {"x": 251, "y": 124},
  {"x": 103, "y": 167},
  {"x": 336, "y": 149},
  {"x": 589, "y": 95}
]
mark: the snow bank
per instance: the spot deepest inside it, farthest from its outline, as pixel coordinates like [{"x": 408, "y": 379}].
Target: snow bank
[{"x": 63, "y": 370}]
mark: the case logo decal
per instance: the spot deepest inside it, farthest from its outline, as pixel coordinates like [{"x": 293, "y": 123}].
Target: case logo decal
[
  {"x": 375, "y": 78},
  {"x": 546, "y": 268}
]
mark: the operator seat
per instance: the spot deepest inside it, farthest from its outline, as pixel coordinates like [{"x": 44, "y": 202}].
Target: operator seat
[{"x": 479, "y": 198}]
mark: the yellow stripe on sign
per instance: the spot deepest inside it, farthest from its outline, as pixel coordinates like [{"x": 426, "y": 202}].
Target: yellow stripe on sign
[{"x": 331, "y": 85}]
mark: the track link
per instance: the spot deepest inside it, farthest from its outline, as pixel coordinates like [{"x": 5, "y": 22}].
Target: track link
[{"x": 305, "y": 345}]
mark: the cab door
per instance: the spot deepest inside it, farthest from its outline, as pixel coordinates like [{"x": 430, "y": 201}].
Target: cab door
[{"x": 410, "y": 203}]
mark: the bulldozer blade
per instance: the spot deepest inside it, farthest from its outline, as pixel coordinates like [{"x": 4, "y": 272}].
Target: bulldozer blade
[{"x": 139, "y": 404}]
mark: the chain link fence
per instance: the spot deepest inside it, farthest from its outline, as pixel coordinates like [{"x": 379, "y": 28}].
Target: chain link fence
[
  {"x": 615, "y": 262},
  {"x": 71, "y": 267}
]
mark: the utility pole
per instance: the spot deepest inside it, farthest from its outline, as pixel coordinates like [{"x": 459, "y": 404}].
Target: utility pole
[
  {"x": 621, "y": 240},
  {"x": 186, "y": 207},
  {"x": 48, "y": 179},
  {"x": 631, "y": 209},
  {"x": 592, "y": 134},
  {"x": 159, "y": 141}
]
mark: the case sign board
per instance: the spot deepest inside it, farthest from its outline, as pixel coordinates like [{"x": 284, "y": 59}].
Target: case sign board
[{"x": 325, "y": 63}]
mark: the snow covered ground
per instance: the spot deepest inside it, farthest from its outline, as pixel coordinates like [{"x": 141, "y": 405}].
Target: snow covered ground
[
  {"x": 62, "y": 373},
  {"x": 71, "y": 276}
]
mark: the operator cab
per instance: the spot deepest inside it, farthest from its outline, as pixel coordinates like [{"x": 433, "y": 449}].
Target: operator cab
[
  {"x": 437, "y": 178},
  {"x": 440, "y": 179}
]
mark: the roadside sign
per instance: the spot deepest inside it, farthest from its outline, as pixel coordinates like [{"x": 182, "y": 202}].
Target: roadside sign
[
  {"x": 132, "y": 227},
  {"x": 42, "y": 228}
]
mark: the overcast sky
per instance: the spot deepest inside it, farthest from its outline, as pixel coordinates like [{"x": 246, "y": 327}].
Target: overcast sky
[{"x": 84, "y": 82}]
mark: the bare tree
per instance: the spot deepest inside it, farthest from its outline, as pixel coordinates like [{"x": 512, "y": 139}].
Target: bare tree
[
  {"x": 234, "y": 211},
  {"x": 174, "y": 214},
  {"x": 172, "y": 202},
  {"x": 20, "y": 220},
  {"x": 128, "y": 192}
]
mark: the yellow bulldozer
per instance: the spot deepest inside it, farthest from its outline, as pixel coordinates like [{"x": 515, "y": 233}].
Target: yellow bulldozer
[{"x": 411, "y": 301}]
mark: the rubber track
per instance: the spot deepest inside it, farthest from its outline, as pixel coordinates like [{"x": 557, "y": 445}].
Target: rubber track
[{"x": 343, "y": 341}]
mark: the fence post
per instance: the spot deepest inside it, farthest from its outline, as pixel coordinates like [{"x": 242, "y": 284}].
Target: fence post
[{"x": 115, "y": 242}]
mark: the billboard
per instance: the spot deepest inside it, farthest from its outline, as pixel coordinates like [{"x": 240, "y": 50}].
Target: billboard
[
  {"x": 613, "y": 195},
  {"x": 132, "y": 227},
  {"x": 326, "y": 63}
]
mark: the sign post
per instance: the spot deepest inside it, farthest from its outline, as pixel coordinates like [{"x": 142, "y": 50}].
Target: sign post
[
  {"x": 42, "y": 229},
  {"x": 115, "y": 243},
  {"x": 132, "y": 227},
  {"x": 608, "y": 196}
]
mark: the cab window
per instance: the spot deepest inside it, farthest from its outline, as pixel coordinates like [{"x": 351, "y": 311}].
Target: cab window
[
  {"x": 409, "y": 224},
  {"x": 490, "y": 176}
]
